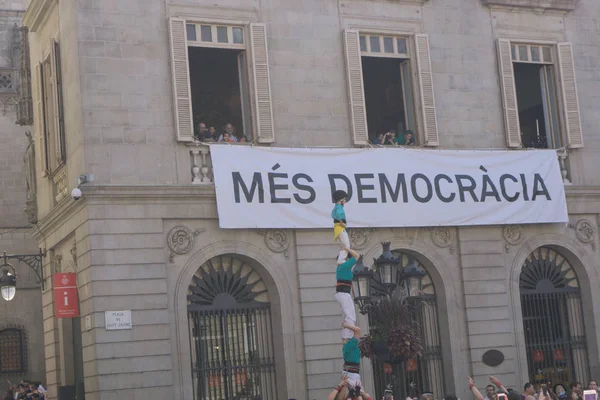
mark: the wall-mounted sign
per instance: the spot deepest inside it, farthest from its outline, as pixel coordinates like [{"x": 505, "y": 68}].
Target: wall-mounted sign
[
  {"x": 66, "y": 302},
  {"x": 117, "y": 320},
  {"x": 273, "y": 187}
]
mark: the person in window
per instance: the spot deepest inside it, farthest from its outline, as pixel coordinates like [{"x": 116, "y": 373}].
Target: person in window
[
  {"x": 203, "y": 134},
  {"x": 390, "y": 138},
  {"x": 243, "y": 139},
  {"x": 226, "y": 138},
  {"x": 213, "y": 132},
  {"x": 378, "y": 140},
  {"x": 409, "y": 139},
  {"x": 229, "y": 129}
]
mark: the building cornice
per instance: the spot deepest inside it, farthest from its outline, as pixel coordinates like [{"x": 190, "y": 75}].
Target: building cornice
[
  {"x": 37, "y": 12},
  {"x": 559, "y": 7}
]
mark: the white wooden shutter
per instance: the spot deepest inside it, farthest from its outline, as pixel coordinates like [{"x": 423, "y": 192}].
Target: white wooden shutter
[
  {"x": 569, "y": 95},
  {"x": 428, "y": 116},
  {"x": 59, "y": 141},
  {"x": 181, "y": 81},
  {"x": 39, "y": 123},
  {"x": 265, "y": 131},
  {"x": 509, "y": 95},
  {"x": 356, "y": 87}
]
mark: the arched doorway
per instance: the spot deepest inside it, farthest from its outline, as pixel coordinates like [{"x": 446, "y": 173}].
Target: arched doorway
[
  {"x": 231, "y": 339},
  {"x": 553, "y": 322},
  {"x": 426, "y": 373}
]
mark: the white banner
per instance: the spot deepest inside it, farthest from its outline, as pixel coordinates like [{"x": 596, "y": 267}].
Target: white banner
[{"x": 266, "y": 187}]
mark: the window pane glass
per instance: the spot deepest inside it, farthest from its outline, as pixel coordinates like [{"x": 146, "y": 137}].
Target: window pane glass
[
  {"x": 238, "y": 36},
  {"x": 191, "y": 32},
  {"x": 388, "y": 44},
  {"x": 374, "y": 41},
  {"x": 206, "y": 33},
  {"x": 547, "y": 54},
  {"x": 402, "y": 46},
  {"x": 513, "y": 52},
  {"x": 363, "y": 43},
  {"x": 222, "y": 34},
  {"x": 535, "y": 54},
  {"x": 523, "y": 53}
]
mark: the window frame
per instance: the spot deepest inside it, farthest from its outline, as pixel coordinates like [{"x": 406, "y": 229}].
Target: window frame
[{"x": 22, "y": 350}]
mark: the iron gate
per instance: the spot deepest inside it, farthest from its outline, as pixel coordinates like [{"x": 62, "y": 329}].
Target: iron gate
[
  {"x": 552, "y": 320},
  {"x": 230, "y": 332}
]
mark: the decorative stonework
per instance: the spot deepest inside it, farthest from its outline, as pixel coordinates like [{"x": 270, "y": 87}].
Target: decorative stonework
[
  {"x": 57, "y": 260},
  {"x": 181, "y": 240},
  {"x": 359, "y": 238},
  {"x": 585, "y": 231},
  {"x": 542, "y": 6},
  {"x": 442, "y": 238},
  {"x": 278, "y": 241},
  {"x": 31, "y": 200},
  {"x": 513, "y": 235}
]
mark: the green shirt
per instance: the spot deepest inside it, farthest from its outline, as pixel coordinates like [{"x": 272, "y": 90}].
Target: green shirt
[
  {"x": 351, "y": 351},
  {"x": 344, "y": 271}
]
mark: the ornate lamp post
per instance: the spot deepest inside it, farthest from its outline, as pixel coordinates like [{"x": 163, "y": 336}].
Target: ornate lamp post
[
  {"x": 361, "y": 285},
  {"x": 8, "y": 275},
  {"x": 412, "y": 277},
  {"x": 386, "y": 267}
]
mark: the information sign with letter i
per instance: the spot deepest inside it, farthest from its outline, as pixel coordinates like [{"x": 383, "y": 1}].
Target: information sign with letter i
[{"x": 66, "y": 301}]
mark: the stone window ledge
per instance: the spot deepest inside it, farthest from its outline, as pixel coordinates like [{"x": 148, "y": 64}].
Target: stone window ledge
[{"x": 544, "y": 6}]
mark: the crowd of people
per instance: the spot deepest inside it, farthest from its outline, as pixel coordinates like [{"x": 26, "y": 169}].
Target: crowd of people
[
  {"x": 25, "y": 390},
  {"x": 228, "y": 134},
  {"x": 390, "y": 138},
  {"x": 558, "y": 391}
]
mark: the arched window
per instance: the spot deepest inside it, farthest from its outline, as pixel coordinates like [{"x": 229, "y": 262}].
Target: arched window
[
  {"x": 412, "y": 377},
  {"x": 552, "y": 319},
  {"x": 229, "y": 314},
  {"x": 13, "y": 351}
]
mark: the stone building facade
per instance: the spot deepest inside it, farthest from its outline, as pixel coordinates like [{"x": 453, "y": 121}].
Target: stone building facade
[
  {"x": 21, "y": 334},
  {"x": 115, "y": 102}
]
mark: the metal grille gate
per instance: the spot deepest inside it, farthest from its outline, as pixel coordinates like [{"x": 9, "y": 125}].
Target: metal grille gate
[
  {"x": 553, "y": 320},
  {"x": 412, "y": 377},
  {"x": 230, "y": 335}
]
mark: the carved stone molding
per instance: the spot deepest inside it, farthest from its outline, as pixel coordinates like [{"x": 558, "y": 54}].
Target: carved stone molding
[
  {"x": 57, "y": 260},
  {"x": 584, "y": 231},
  {"x": 360, "y": 237},
  {"x": 276, "y": 240},
  {"x": 560, "y": 7},
  {"x": 442, "y": 237},
  {"x": 181, "y": 240},
  {"x": 513, "y": 235}
]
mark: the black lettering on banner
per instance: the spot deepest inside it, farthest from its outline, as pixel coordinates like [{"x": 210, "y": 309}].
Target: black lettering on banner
[
  {"x": 413, "y": 188},
  {"x": 438, "y": 191},
  {"x": 360, "y": 187},
  {"x": 257, "y": 185},
  {"x": 537, "y": 179},
  {"x": 489, "y": 189},
  {"x": 332, "y": 185},
  {"x": 462, "y": 188},
  {"x": 503, "y": 179},
  {"x": 394, "y": 193},
  {"x": 273, "y": 187},
  {"x": 300, "y": 186},
  {"x": 524, "y": 184}
]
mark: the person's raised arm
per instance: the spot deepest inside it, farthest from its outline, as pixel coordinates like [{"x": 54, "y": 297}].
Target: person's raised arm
[
  {"x": 496, "y": 382},
  {"x": 338, "y": 389},
  {"x": 353, "y": 253},
  {"x": 474, "y": 389}
]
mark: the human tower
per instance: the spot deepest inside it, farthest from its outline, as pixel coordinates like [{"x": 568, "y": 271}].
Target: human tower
[{"x": 350, "y": 386}]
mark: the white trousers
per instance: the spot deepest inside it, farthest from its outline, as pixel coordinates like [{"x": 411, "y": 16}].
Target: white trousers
[
  {"x": 347, "y": 305},
  {"x": 343, "y": 239},
  {"x": 353, "y": 379}
]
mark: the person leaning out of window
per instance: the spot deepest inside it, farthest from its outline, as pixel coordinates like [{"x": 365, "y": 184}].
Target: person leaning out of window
[
  {"x": 228, "y": 130},
  {"x": 406, "y": 139}
]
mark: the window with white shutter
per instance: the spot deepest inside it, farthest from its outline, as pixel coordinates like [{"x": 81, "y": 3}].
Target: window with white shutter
[
  {"x": 216, "y": 68},
  {"x": 387, "y": 105},
  {"x": 40, "y": 118},
  {"x": 533, "y": 77},
  {"x": 59, "y": 141}
]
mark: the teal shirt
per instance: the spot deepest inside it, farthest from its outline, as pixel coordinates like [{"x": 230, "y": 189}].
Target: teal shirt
[
  {"x": 351, "y": 352},
  {"x": 344, "y": 271},
  {"x": 338, "y": 212}
]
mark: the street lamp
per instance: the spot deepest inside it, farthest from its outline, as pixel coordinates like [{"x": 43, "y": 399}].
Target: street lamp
[
  {"x": 386, "y": 267},
  {"x": 361, "y": 285},
  {"x": 8, "y": 277},
  {"x": 412, "y": 277}
]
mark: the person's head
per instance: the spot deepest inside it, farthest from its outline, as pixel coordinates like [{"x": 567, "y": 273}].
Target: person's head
[
  {"x": 427, "y": 395},
  {"x": 202, "y": 126},
  {"x": 229, "y": 128},
  {"x": 450, "y": 397},
  {"x": 226, "y": 136},
  {"x": 212, "y": 130},
  {"x": 409, "y": 136},
  {"x": 340, "y": 197},
  {"x": 593, "y": 385},
  {"x": 576, "y": 387},
  {"x": 243, "y": 139},
  {"x": 380, "y": 137},
  {"x": 490, "y": 390},
  {"x": 393, "y": 133},
  {"x": 513, "y": 395},
  {"x": 559, "y": 389},
  {"x": 528, "y": 389}
]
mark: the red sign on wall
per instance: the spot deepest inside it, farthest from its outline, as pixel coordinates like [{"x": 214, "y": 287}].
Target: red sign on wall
[
  {"x": 538, "y": 356},
  {"x": 66, "y": 303}
]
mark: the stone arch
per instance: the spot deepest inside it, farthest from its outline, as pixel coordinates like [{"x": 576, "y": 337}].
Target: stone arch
[
  {"x": 583, "y": 265},
  {"x": 280, "y": 295},
  {"x": 448, "y": 291}
]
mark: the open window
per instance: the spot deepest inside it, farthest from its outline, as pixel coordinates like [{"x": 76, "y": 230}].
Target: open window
[
  {"x": 382, "y": 72},
  {"x": 214, "y": 67},
  {"x": 533, "y": 78}
]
